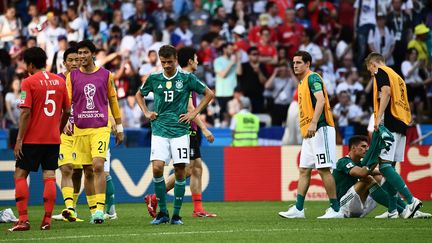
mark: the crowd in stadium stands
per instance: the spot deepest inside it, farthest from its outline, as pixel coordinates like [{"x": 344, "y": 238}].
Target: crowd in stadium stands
[{"x": 244, "y": 49}]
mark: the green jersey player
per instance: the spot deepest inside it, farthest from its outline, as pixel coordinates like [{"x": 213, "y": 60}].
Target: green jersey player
[{"x": 170, "y": 126}]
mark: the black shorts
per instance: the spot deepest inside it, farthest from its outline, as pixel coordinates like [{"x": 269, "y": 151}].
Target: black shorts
[
  {"x": 39, "y": 154},
  {"x": 194, "y": 145}
]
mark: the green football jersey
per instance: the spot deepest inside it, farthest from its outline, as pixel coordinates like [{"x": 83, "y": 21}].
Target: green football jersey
[
  {"x": 171, "y": 97},
  {"x": 344, "y": 181},
  {"x": 315, "y": 85}
]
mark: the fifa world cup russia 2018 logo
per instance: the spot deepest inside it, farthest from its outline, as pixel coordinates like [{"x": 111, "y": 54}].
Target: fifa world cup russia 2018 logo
[{"x": 89, "y": 92}]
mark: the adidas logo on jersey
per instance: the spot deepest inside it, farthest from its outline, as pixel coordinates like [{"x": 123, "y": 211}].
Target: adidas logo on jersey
[{"x": 160, "y": 86}]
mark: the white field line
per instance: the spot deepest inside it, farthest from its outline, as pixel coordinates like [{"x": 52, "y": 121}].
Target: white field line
[{"x": 190, "y": 233}]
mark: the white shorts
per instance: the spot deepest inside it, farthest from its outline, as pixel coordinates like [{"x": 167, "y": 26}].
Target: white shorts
[
  {"x": 320, "y": 150},
  {"x": 352, "y": 206},
  {"x": 397, "y": 149},
  {"x": 107, "y": 163},
  {"x": 165, "y": 149}
]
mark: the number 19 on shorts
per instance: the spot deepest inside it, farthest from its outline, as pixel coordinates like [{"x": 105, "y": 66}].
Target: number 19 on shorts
[{"x": 321, "y": 159}]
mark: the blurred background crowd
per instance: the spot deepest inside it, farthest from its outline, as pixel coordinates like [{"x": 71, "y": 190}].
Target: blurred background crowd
[{"x": 244, "y": 49}]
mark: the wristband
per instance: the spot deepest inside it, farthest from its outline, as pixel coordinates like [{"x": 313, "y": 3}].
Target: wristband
[{"x": 119, "y": 128}]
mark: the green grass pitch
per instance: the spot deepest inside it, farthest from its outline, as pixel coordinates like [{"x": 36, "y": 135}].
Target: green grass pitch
[{"x": 236, "y": 221}]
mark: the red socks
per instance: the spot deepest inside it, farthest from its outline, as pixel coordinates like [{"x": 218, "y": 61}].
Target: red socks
[
  {"x": 197, "y": 202},
  {"x": 49, "y": 196},
  {"x": 21, "y": 198}
]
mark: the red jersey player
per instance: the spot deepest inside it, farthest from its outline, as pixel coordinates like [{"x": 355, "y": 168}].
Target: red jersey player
[{"x": 44, "y": 99}]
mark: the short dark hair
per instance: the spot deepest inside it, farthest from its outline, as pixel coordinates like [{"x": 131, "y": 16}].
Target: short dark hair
[
  {"x": 225, "y": 45},
  {"x": 310, "y": 33},
  {"x": 306, "y": 57},
  {"x": 68, "y": 51},
  {"x": 167, "y": 51},
  {"x": 251, "y": 49},
  {"x": 35, "y": 56},
  {"x": 184, "y": 55},
  {"x": 356, "y": 139},
  {"x": 87, "y": 44}
]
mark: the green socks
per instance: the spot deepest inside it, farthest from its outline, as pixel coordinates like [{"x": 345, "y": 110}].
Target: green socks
[
  {"x": 160, "y": 190},
  {"x": 109, "y": 194},
  {"x": 334, "y": 203},
  {"x": 179, "y": 191},
  {"x": 300, "y": 202},
  {"x": 395, "y": 180}
]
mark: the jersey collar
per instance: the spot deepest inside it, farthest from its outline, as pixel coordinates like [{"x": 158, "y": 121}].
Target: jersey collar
[{"x": 163, "y": 73}]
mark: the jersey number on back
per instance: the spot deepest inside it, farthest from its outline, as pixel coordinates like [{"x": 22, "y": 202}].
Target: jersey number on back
[
  {"x": 169, "y": 96},
  {"x": 49, "y": 102}
]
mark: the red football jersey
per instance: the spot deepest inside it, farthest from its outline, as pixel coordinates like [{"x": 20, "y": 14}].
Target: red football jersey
[{"x": 46, "y": 95}]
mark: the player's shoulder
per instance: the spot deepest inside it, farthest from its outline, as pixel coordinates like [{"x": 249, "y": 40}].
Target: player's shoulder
[
  {"x": 314, "y": 77},
  {"x": 157, "y": 75},
  {"x": 344, "y": 161}
]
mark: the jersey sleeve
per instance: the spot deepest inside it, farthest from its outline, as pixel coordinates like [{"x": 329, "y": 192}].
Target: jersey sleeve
[
  {"x": 69, "y": 87},
  {"x": 112, "y": 96},
  {"x": 345, "y": 165},
  {"x": 147, "y": 87},
  {"x": 196, "y": 85},
  {"x": 382, "y": 79},
  {"x": 315, "y": 83},
  {"x": 26, "y": 95}
]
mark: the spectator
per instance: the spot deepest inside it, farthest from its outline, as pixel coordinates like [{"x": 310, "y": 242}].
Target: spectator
[
  {"x": 240, "y": 43},
  {"x": 325, "y": 29},
  {"x": 220, "y": 14},
  {"x": 267, "y": 50},
  {"x": 351, "y": 84},
  {"x": 228, "y": 27},
  {"x": 361, "y": 122},
  {"x": 10, "y": 27},
  {"x": 199, "y": 22},
  {"x": 129, "y": 45},
  {"x": 183, "y": 32},
  {"x": 245, "y": 126},
  {"x": 289, "y": 33},
  {"x": 165, "y": 12},
  {"x": 345, "y": 44},
  {"x": 12, "y": 101},
  {"x": 226, "y": 68},
  {"x": 131, "y": 113},
  {"x": 345, "y": 112},
  {"x": 57, "y": 65},
  {"x": 309, "y": 46},
  {"x": 36, "y": 20},
  {"x": 117, "y": 20},
  {"x": 281, "y": 83},
  {"x": 364, "y": 22},
  {"x": 301, "y": 16},
  {"x": 234, "y": 105},
  {"x": 254, "y": 35},
  {"x": 115, "y": 39},
  {"x": 421, "y": 32},
  {"x": 142, "y": 17},
  {"x": 346, "y": 65},
  {"x": 50, "y": 38},
  {"x": 381, "y": 40},
  {"x": 251, "y": 80},
  {"x": 151, "y": 66},
  {"x": 314, "y": 8},
  {"x": 400, "y": 24},
  {"x": 414, "y": 83},
  {"x": 271, "y": 10},
  {"x": 75, "y": 26},
  {"x": 241, "y": 12},
  {"x": 211, "y": 5},
  {"x": 345, "y": 13},
  {"x": 95, "y": 36}
]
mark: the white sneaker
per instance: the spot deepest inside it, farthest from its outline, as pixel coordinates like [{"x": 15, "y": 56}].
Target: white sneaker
[
  {"x": 331, "y": 214},
  {"x": 410, "y": 209},
  {"x": 420, "y": 215},
  {"x": 293, "y": 213},
  {"x": 110, "y": 216},
  {"x": 58, "y": 217},
  {"x": 387, "y": 215}
]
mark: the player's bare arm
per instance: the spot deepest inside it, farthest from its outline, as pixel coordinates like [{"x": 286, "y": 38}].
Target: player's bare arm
[
  {"x": 64, "y": 119},
  {"x": 319, "y": 106},
  {"x": 23, "y": 122},
  {"x": 384, "y": 101},
  {"x": 208, "y": 135},
  {"x": 208, "y": 96},
  {"x": 151, "y": 115}
]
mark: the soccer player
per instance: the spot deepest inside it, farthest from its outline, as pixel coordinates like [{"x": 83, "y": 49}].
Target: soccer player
[
  {"x": 319, "y": 144},
  {"x": 45, "y": 109},
  {"x": 92, "y": 90},
  {"x": 391, "y": 107},
  {"x": 170, "y": 126},
  {"x": 357, "y": 187},
  {"x": 188, "y": 61},
  {"x": 66, "y": 155}
]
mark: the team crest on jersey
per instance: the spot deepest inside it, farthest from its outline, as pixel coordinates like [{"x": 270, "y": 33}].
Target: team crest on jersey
[
  {"x": 179, "y": 84},
  {"x": 74, "y": 156},
  {"x": 168, "y": 85}
]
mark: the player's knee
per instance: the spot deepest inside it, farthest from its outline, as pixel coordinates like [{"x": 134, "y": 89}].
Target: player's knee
[
  {"x": 66, "y": 170},
  {"x": 98, "y": 168},
  {"x": 196, "y": 171},
  {"x": 324, "y": 172},
  {"x": 88, "y": 173},
  {"x": 48, "y": 174}
]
